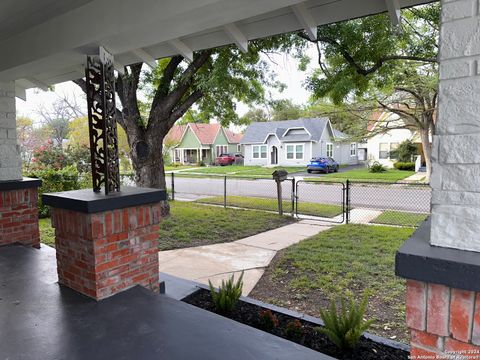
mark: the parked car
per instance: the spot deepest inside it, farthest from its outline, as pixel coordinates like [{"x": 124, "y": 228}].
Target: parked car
[
  {"x": 322, "y": 164},
  {"x": 229, "y": 159}
]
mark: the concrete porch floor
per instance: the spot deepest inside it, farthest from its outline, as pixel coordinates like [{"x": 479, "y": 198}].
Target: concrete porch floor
[{"x": 40, "y": 319}]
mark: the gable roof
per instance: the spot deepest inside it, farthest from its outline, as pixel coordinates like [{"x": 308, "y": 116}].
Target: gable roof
[
  {"x": 205, "y": 133},
  {"x": 175, "y": 134},
  {"x": 233, "y": 138},
  {"x": 258, "y": 132}
]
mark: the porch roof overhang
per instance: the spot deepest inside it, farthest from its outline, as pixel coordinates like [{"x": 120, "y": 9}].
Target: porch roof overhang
[{"x": 45, "y": 42}]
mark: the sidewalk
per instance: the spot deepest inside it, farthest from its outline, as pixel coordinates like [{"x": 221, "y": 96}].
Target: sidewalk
[
  {"x": 251, "y": 255},
  {"x": 419, "y": 177}
]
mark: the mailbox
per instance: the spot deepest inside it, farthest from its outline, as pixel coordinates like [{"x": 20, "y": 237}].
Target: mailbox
[{"x": 280, "y": 175}]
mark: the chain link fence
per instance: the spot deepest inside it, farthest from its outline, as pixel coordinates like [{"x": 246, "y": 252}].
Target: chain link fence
[
  {"x": 398, "y": 204},
  {"x": 380, "y": 203}
]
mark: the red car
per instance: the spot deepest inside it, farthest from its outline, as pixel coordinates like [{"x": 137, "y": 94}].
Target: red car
[{"x": 227, "y": 159}]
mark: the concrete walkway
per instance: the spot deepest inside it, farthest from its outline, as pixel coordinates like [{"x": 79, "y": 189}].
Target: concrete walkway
[
  {"x": 419, "y": 177},
  {"x": 251, "y": 255}
]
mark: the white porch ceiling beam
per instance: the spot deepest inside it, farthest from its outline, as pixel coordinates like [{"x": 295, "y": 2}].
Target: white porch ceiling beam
[
  {"x": 37, "y": 83},
  {"x": 20, "y": 92},
  {"x": 182, "y": 49},
  {"x": 146, "y": 58},
  {"x": 306, "y": 20},
  {"x": 237, "y": 36},
  {"x": 394, "y": 8}
]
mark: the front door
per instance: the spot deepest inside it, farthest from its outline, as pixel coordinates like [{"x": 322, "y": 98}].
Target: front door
[{"x": 274, "y": 156}]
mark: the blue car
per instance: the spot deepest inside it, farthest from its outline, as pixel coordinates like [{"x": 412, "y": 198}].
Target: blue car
[{"x": 322, "y": 164}]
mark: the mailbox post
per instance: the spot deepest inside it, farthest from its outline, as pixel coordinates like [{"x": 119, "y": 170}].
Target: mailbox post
[{"x": 279, "y": 176}]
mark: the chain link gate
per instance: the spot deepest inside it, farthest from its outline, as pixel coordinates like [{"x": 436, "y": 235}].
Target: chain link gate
[{"x": 321, "y": 200}]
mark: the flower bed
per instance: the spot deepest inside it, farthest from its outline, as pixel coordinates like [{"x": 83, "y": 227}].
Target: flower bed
[{"x": 247, "y": 312}]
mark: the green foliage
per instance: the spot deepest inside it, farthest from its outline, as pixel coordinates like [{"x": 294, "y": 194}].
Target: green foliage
[
  {"x": 345, "y": 327},
  {"x": 405, "y": 166},
  {"x": 285, "y": 109},
  {"x": 228, "y": 294},
  {"x": 404, "y": 152},
  {"x": 49, "y": 156},
  {"x": 55, "y": 181},
  {"x": 268, "y": 320},
  {"x": 294, "y": 329},
  {"x": 376, "y": 167}
]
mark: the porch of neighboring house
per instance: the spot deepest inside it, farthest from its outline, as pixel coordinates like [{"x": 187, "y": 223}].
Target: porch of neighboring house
[{"x": 192, "y": 156}]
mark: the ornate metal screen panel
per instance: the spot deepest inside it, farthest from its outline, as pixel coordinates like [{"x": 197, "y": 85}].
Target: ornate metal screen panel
[{"x": 102, "y": 125}]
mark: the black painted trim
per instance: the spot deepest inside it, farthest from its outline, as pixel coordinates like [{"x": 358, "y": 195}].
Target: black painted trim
[
  {"x": 25, "y": 183},
  {"x": 87, "y": 201},
  {"x": 418, "y": 260}
]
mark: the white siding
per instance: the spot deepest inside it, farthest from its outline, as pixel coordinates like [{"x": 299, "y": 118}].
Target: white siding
[{"x": 392, "y": 136}]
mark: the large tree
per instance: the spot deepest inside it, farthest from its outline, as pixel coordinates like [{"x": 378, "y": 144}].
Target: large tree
[
  {"x": 368, "y": 59},
  {"x": 215, "y": 81}
]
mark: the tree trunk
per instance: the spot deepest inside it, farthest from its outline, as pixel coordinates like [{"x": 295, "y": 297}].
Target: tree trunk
[
  {"x": 146, "y": 154},
  {"x": 427, "y": 150}
]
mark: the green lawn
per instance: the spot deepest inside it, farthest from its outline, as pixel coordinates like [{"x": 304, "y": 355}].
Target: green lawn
[
  {"x": 399, "y": 218},
  {"x": 305, "y": 208},
  {"x": 343, "y": 259},
  {"x": 47, "y": 233},
  {"x": 194, "y": 225},
  {"x": 364, "y": 175},
  {"x": 240, "y": 170},
  {"x": 179, "y": 167}
]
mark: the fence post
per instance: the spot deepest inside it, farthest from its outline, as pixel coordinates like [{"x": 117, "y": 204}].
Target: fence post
[
  {"x": 225, "y": 191},
  {"x": 293, "y": 197},
  {"x": 347, "y": 202},
  {"x": 173, "y": 186}
]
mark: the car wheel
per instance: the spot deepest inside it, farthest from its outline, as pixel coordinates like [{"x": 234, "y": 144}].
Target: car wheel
[
  {"x": 309, "y": 171},
  {"x": 336, "y": 168},
  {"x": 327, "y": 170}
]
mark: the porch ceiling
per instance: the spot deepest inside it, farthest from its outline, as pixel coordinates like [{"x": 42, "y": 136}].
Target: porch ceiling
[{"x": 45, "y": 42}]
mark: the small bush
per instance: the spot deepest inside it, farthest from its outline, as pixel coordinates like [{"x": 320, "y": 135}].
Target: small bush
[
  {"x": 409, "y": 166},
  {"x": 228, "y": 294},
  {"x": 376, "y": 167},
  {"x": 57, "y": 180},
  {"x": 294, "y": 329},
  {"x": 345, "y": 328},
  {"x": 268, "y": 320}
]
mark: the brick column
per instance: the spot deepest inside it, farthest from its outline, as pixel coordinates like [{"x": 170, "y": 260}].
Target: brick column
[
  {"x": 443, "y": 321},
  {"x": 19, "y": 212},
  {"x": 106, "y": 244}
]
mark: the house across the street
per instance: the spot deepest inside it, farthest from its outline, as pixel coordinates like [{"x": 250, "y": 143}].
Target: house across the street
[
  {"x": 387, "y": 131},
  {"x": 295, "y": 142},
  {"x": 194, "y": 143}
]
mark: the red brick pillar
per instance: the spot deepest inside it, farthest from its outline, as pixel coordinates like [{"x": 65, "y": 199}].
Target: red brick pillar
[
  {"x": 443, "y": 321},
  {"x": 19, "y": 212},
  {"x": 103, "y": 249}
]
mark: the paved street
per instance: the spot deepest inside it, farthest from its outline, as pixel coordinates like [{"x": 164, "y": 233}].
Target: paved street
[{"x": 415, "y": 198}]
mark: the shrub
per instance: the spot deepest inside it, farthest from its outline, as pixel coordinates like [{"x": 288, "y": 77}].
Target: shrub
[
  {"x": 376, "y": 167},
  {"x": 228, "y": 294},
  {"x": 404, "y": 152},
  {"x": 55, "y": 181},
  {"x": 410, "y": 166},
  {"x": 344, "y": 328},
  {"x": 268, "y": 320},
  {"x": 294, "y": 329}
]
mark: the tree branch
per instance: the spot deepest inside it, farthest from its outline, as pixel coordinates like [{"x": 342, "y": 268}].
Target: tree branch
[
  {"x": 360, "y": 69},
  {"x": 182, "y": 108}
]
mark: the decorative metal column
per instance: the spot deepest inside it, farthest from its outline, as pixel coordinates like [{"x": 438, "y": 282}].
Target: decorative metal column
[{"x": 102, "y": 126}]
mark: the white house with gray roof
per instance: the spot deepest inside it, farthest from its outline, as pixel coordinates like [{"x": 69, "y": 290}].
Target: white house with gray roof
[{"x": 295, "y": 142}]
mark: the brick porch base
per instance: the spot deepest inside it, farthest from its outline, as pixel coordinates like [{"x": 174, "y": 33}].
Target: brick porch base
[
  {"x": 19, "y": 212},
  {"x": 443, "y": 320}
]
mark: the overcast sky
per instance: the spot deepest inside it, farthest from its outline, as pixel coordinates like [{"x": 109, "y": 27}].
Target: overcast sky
[{"x": 285, "y": 66}]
